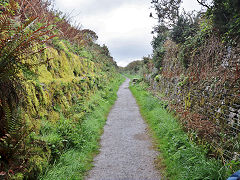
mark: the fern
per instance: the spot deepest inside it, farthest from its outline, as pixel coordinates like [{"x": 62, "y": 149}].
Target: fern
[
  {"x": 17, "y": 39},
  {"x": 7, "y": 112},
  {"x": 14, "y": 125}
]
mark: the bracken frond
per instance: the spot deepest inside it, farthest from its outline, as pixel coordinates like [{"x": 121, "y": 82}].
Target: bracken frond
[
  {"x": 5, "y": 23},
  {"x": 13, "y": 5},
  {"x": 7, "y": 112}
]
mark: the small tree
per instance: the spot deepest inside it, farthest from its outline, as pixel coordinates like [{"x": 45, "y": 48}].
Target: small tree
[
  {"x": 167, "y": 11},
  {"x": 185, "y": 27}
]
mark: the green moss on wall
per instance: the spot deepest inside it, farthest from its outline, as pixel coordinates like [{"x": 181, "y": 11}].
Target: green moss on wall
[{"x": 60, "y": 91}]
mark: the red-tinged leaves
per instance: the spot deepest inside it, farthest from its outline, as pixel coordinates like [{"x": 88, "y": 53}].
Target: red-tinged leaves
[
  {"x": 41, "y": 28},
  {"x": 10, "y": 171},
  {"x": 51, "y": 37},
  {"x": 2, "y": 173}
]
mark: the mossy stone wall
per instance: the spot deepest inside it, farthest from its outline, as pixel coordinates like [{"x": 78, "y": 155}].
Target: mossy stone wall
[{"x": 207, "y": 94}]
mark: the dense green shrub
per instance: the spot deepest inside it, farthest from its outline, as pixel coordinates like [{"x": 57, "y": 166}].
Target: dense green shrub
[
  {"x": 158, "y": 48},
  {"x": 225, "y": 14},
  {"x": 226, "y": 19},
  {"x": 185, "y": 27},
  {"x": 133, "y": 67},
  {"x": 192, "y": 43}
]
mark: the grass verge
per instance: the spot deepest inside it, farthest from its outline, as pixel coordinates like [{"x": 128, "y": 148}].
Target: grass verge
[
  {"x": 183, "y": 159},
  {"x": 132, "y": 76},
  {"x": 81, "y": 139}
]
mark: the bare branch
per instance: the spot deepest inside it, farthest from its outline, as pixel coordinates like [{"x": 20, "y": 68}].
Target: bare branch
[{"x": 203, "y": 3}]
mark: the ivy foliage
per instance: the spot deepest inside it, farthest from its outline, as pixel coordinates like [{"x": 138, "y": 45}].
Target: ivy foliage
[{"x": 226, "y": 18}]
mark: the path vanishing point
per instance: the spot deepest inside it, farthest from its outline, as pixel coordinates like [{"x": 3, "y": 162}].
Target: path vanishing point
[{"x": 126, "y": 151}]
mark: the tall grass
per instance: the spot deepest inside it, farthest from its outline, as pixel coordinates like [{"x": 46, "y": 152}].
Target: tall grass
[
  {"x": 77, "y": 158},
  {"x": 182, "y": 158}
]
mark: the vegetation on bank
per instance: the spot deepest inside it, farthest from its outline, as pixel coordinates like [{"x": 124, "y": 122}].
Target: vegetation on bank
[
  {"x": 181, "y": 157},
  {"x": 195, "y": 67},
  {"x": 53, "y": 78},
  {"x": 191, "y": 30},
  {"x": 80, "y": 138}
]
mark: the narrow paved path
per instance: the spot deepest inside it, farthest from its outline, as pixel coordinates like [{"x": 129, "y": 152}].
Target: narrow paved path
[{"x": 126, "y": 151}]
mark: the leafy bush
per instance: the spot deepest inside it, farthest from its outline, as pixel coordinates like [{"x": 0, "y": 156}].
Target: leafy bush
[
  {"x": 191, "y": 45},
  {"x": 158, "y": 48},
  {"x": 226, "y": 17},
  {"x": 134, "y": 67},
  {"x": 185, "y": 27}
]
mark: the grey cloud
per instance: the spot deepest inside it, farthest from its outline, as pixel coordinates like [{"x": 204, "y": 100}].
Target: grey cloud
[
  {"x": 123, "y": 48},
  {"x": 129, "y": 48},
  {"x": 103, "y": 6}
]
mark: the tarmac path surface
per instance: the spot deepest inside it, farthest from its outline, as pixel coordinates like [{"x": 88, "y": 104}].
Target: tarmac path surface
[{"x": 126, "y": 151}]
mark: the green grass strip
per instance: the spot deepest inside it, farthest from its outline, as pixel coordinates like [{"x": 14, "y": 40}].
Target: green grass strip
[
  {"x": 75, "y": 162},
  {"x": 182, "y": 158}
]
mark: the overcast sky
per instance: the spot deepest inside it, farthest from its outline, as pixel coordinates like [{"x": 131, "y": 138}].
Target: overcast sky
[{"x": 124, "y": 26}]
